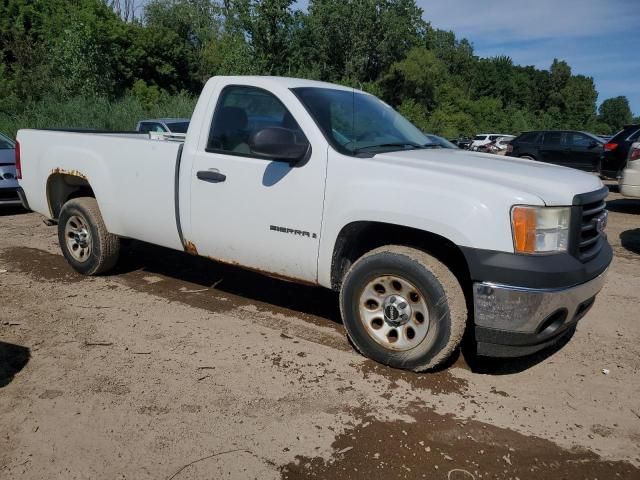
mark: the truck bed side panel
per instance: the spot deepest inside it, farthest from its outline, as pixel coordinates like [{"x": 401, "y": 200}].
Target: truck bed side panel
[{"x": 133, "y": 179}]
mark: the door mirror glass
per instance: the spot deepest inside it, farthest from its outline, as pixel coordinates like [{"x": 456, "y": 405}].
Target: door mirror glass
[{"x": 279, "y": 143}]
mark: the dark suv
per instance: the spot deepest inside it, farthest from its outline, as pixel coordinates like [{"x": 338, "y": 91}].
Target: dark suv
[
  {"x": 616, "y": 150},
  {"x": 568, "y": 148}
]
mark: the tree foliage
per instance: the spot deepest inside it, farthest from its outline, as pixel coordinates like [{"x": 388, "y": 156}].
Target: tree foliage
[
  {"x": 73, "y": 50},
  {"x": 615, "y": 113}
]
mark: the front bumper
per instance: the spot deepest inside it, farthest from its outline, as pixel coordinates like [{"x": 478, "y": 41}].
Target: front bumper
[{"x": 514, "y": 321}]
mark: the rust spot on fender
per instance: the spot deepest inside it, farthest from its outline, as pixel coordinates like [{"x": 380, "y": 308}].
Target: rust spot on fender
[
  {"x": 74, "y": 173},
  {"x": 190, "y": 248}
]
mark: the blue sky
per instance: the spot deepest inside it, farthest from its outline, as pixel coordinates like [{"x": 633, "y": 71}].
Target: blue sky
[{"x": 598, "y": 38}]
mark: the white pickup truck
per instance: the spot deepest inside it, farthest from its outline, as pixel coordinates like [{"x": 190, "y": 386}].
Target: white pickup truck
[{"x": 327, "y": 185}]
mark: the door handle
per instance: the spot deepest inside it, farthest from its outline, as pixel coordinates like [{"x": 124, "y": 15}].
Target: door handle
[{"x": 211, "y": 176}]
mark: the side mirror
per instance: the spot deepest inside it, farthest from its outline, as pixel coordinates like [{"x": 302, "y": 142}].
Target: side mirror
[{"x": 280, "y": 144}]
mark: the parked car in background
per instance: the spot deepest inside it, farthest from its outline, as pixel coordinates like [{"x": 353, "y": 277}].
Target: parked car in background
[
  {"x": 497, "y": 147},
  {"x": 502, "y": 143},
  {"x": 630, "y": 180},
  {"x": 486, "y": 138},
  {"x": 443, "y": 142},
  {"x": 8, "y": 181},
  {"x": 462, "y": 142},
  {"x": 606, "y": 138},
  {"x": 616, "y": 150},
  {"x": 568, "y": 148},
  {"x": 166, "y": 125}
]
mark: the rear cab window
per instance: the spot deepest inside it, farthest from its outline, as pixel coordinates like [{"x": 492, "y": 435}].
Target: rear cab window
[{"x": 480, "y": 137}]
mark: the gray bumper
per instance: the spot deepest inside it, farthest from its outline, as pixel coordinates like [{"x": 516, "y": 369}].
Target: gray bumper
[
  {"x": 511, "y": 321},
  {"x": 9, "y": 197}
]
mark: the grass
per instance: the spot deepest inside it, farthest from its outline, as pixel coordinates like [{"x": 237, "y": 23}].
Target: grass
[{"x": 94, "y": 113}]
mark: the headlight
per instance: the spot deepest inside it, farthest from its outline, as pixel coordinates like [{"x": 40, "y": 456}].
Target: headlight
[{"x": 538, "y": 230}]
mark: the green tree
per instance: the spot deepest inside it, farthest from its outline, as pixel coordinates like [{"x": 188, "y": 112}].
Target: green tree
[
  {"x": 580, "y": 97},
  {"x": 194, "y": 21},
  {"x": 615, "y": 113},
  {"x": 359, "y": 40},
  {"x": 417, "y": 77}
]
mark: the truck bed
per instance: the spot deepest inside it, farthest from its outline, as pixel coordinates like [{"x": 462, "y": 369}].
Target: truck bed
[{"x": 122, "y": 168}]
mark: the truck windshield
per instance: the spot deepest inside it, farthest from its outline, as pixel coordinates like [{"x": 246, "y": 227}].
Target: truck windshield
[{"x": 360, "y": 124}]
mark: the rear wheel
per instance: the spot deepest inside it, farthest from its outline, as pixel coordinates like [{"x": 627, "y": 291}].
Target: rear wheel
[
  {"x": 403, "y": 308},
  {"x": 85, "y": 242}
]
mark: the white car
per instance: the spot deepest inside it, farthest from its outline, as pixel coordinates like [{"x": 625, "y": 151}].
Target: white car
[
  {"x": 486, "y": 138},
  {"x": 320, "y": 184},
  {"x": 8, "y": 180},
  {"x": 630, "y": 180}
]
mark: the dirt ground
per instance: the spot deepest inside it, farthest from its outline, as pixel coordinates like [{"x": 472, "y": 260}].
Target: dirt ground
[{"x": 176, "y": 367}]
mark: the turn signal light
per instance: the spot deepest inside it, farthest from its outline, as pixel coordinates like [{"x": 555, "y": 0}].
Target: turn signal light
[
  {"x": 524, "y": 229},
  {"x": 540, "y": 230}
]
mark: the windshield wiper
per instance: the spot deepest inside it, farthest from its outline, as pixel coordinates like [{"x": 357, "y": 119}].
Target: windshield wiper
[{"x": 392, "y": 145}]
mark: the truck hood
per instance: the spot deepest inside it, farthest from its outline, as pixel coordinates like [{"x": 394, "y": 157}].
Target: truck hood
[{"x": 553, "y": 184}]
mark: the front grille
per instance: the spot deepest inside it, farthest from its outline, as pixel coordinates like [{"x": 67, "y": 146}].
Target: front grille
[{"x": 591, "y": 236}]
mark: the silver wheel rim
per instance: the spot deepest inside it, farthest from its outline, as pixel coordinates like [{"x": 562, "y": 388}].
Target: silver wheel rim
[
  {"x": 394, "y": 312},
  {"x": 78, "y": 238}
]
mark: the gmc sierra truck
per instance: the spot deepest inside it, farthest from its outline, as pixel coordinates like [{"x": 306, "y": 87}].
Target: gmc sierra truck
[{"x": 327, "y": 185}]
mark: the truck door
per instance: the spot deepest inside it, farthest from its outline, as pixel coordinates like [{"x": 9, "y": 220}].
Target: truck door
[{"x": 245, "y": 209}]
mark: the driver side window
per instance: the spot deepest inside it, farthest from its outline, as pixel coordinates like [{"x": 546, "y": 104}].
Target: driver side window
[{"x": 241, "y": 112}]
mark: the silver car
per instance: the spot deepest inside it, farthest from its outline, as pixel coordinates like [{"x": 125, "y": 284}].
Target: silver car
[{"x": 8, "y": 181}]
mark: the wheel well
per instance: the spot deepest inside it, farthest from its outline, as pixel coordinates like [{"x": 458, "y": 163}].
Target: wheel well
[
  {"x": 62, "y": 187},
  {"x": 358, "y": 238}
]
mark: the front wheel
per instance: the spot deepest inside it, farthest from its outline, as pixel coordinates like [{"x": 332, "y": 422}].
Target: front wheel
[
  {"x": 85, "y": 242},
  {"x": 403, "y": 308}
]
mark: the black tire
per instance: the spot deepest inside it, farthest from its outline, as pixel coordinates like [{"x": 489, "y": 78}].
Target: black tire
[
  {"x": 102, "y": 254},
  {"x": 438, "y": 286}
]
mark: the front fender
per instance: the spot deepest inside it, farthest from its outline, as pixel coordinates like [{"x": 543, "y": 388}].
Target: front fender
[{"x": 468, "y": 212}]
